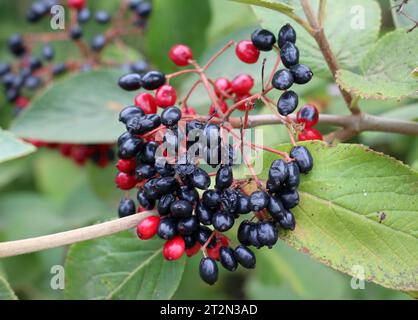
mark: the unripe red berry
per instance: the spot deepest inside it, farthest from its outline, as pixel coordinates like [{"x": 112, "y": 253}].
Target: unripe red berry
[
  {"x": 22, "y": 102},
  {"x": 245, "y": 105},
  {"x": 242, "y": 84},
  {"x": 37, "y": 143},
  {"x": 65, "y": 149},
  {"x": 126, "y": 165},
  {"x": 148, "y": 227},
  {"x": 308, "y": 115},
  {"x": 214, "y": 252},
  {"x": 77, "y": 4},
  {"x": 141, "y": 209},
  {"x": 166, "y": 96},
  {"x": 222, "y": 85},
  {"x": 180, "y": 54},
  {"x": 189, "y": 111},
  {"x": 173, "y": 249},
  {"x": 247, "y": 52},
  {"x": 193, "y": 250},
  {"x": 222, "y": 105},
  {"x": 80, "y": 154},
  {"x": 310, "y": 134},
  {"x": 125, "y": 181},
  {"x": 146, "y": 102}
]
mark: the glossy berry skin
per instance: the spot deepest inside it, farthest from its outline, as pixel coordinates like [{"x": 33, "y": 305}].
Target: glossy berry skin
[
  {"x": 189, "y": 194},
  {"x": 278, "y": 172},
  {"x": 286, "y": 34},
  {"x": 167, "y": 229},
  {"x": 303, "y": 158},
  {"x": 276, "y": 208},
  {"x": 211, "y": 199},
  {"x": 308, "y": 115},
  {"x": 242, "y": 84},
  {"x": 188, "y": 226},
  {"x": 170, "y": 117},
  {"x": 287, "y": 103},
  {"x": 224, "y": 177},
  {"x": 145, "y": 171},
  {"x": 245, "y": 257},
  {"x": 310, "y": 134},
  {"x": 204, "y": 214},
  {"x": 173, "y": 249},
  {"x": 258, "y": 200},
  {"x": 263, "y": 39},
  {"x": 166, "y": 96},
  {"x": 152, "y": 80},
  {"x": 144, "y": 202},
  {"x": 267, "y": 234},
  {"x": 129, "y": 112},
  {"x": 227, "y": 258},
  {"x": 130, "y": 82},
  {"x": 126, "y": 208},
  {"x": 180, "y": 55},
  {"x": 143, "y": 9},
  {"x": 140, "y": 125},
  {"x": 301, "y": 73},
  {"x": 222, "y": 222},
  {"x": 126, "y": 165},
  {"x": 222, "y": 85},
  {"x": 293, "y": 179},
  {"x": 203, "y": 234},
  {"x": 166, "y": 185},
  {"x": 247, "y": 52},
  {"x": 243, "y": 206},
  {"x": 102, "y": 17},
  {"x": 181, "y": 209},
  {"x": 287, "y": 220},
  {"x": 16, "y": 46},
  {"x": 76, "y": 4},
  {"x": 48, "y": 52},
  {"x": 125, "y": 181},
  {"x": 289, "y": 54},
  {"x": 83, "y": 15},
  {"x": 4, "y": 68},
  {"x": 208, "y": 270},
  {"x": 253, "y": 237},
  {"x": 98, "y": 42},
  {"x": 146, "y": 103},
  {"x": 289, "y": 198},
  {"x": 200, "y": 179},
  {"x": 164, "y": 204},
  {"x": 282, "y": 79},
  {"x": 148, "y": 227}
]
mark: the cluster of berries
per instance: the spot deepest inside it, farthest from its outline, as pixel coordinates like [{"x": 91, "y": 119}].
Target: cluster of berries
[
  {"x": 307, "y": 116},
  {"x": 158, "y": 157}
]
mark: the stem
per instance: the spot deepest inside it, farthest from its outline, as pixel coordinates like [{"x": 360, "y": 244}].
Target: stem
[
  {"x": 322, "y": 12},
  {"x": 222, "y": 50},
  {"x": 14, "y": 248}
]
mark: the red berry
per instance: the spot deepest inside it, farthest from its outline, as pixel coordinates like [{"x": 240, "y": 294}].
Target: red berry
[
  {"x": 246, "y": 105},
  {"x": 181, "y": 54},
  {"x": 37, "y": 143},
  {"x": 22, "y": 102},
  {"x": 126, "y": 165},
  {"x": 189, "y": 111},
  {"x": 80, "y": 154},
  {"x": 242, "y": 84},
  {"x": 193, "y": 250},
  {"x": 146, "y": 102},
  {"x": 222, "y": 85},
  {"x": 125, "y": 181},
  {"x": 308, "y": 115},
  {"x": 247, "y": 52},
  {"x": 173, "y": 249},
  {"x": 77, "y": 4},
  {"x": 214, "y": 252},
  {"x": 310, "y": 134},
  {"x": 222, "y": 105},
  {"x": 166, "y": 96},
  {"x": 66, "y": 149},
  {"x": 140, "y": 209},
  {"x": 148, "y": 227}
]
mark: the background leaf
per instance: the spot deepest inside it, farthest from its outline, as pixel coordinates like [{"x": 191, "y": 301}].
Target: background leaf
[
  {"x": 339, "y": 218},
  {"x": 6, "y": 292},
  {"x": 279, "y": 6},
  {"x": 348, "y": 39},
  {"x": 386, "y": 69},
  {"x": 80, "y": 109},
  {"x": 121, "y": 267},
  {"x": 12, "y": 147},
  {"x": 411, "y": 9}
]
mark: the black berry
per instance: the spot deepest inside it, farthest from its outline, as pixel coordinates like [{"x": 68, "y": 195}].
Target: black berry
[
  {"x": 287, "y": 103},
  {"x": 245, "y": 257},
  {"x": 263, "y": 39},
  {"x": 181, "y": 209},
  {"x": 286, "y": 34},
  {"x": 282, "y": 79},
  {"x": 208, "y": 270},
  {"x": 170, "y": 116},
  {"x": 126, "y": 208},
  {"x": 224, "y": 177},
  {"x": 130, "y": 82},
  {"x": 168, "y": 228},
  {"x": 152, "y": 80},
  {"x": 222, "y": 222},
  {"x": 289, "y": 54},
  {"x": 227, "y": 258},
  {"x": 258, "y": 200},
  {"x": 303, "y": 158},
  {"x": 301, "y": 74}
]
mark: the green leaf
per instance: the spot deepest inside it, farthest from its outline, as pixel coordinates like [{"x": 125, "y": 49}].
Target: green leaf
[
  {"x": 6, "y": 293},
  {"x": 12, "y": 147},
  {"x": 269, "y": 4},
  {"x": 79, "y": 109},
  {"x": 173, "y": 22},
  {"x": 348, "y": 39},
  {"x": 411, "y": 9},
  {"x": 358, "y": 207},
  {"x": 386, "y": 71},
  {"x": 121, "y": 267}
]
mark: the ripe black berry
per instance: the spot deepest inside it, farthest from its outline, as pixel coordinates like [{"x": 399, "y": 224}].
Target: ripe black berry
[
  {"x": 150, "y": 189},
  {"x": 48, "y": 52},
  {"x": 282, "y": 79},
  {"x": 245, "y": 257},
  {"x": 289, "y": 54},
  {"x": 243, "y": 206},
  {"x": 102, "y": 17},
  {"x": 303, "y": 158},
  {"x": 278, "y": 173},
  {"x": 293, "y": 179},
  {"x": 189, "y": 194},
  {"x": 170, "y": 116},
  {"x": 76, "y": 32},
  {"x": 203, "y": 234},
  {"x": 204, "y": 214},
  {"x": 32, "y": 83},
  {"x": 4, "y": 68},
  {"x": 227, "y": 258},
  {"x": 168, "y": 228},
  {"x": 145, "y": 171},
  {"x": 267, "y": 233},
  {"x": 181, "y": 209},
  {"x": 129, "y": 148},
  {"x": 126, "y": 208},
  {"x": 129, "y": 112},
  {"x": 152, "y": 80},
  {"x": 166, "y": 185},
  {"x": 211, "y": 199},
  {"x": 222, "y": 222},
  {"x": 16, "y": 45},
  {"x": 290, "y": 198},
  {"x": 287, "y": 103},
  {"x": 200, "y": 179},
  {"x": 276, "y": 208},
  {"x": 130, "y": 82},
  {"x": 208, "y": 270},
  {"x": 188, "y": 226},
  {"x": 258, "y": 200},
  {"x": 144, "y": 202},
  {"x": 286, "y": 34},
  {"x": 139, "y": 67},
  {"x": 287, "y": 220},
  {"x": 98, "y": 42},
  {"x": 224, "y": 177},
  {"x": 141, "y": 125},
  {"x": 189, "y": 241},
  {"x": 59, "y": 68},
  {"x": 143, "y": 9},
  {"x": 83, "y": 15},
  {"x": 253, "y": 236},
  {"x": 148, "y": 154},
  {"x": 263, "y": 39},
  {"x": 164, "y": 169},
  {"x": 164, "y": 204},
  {"x": 301, "y": 74}
]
